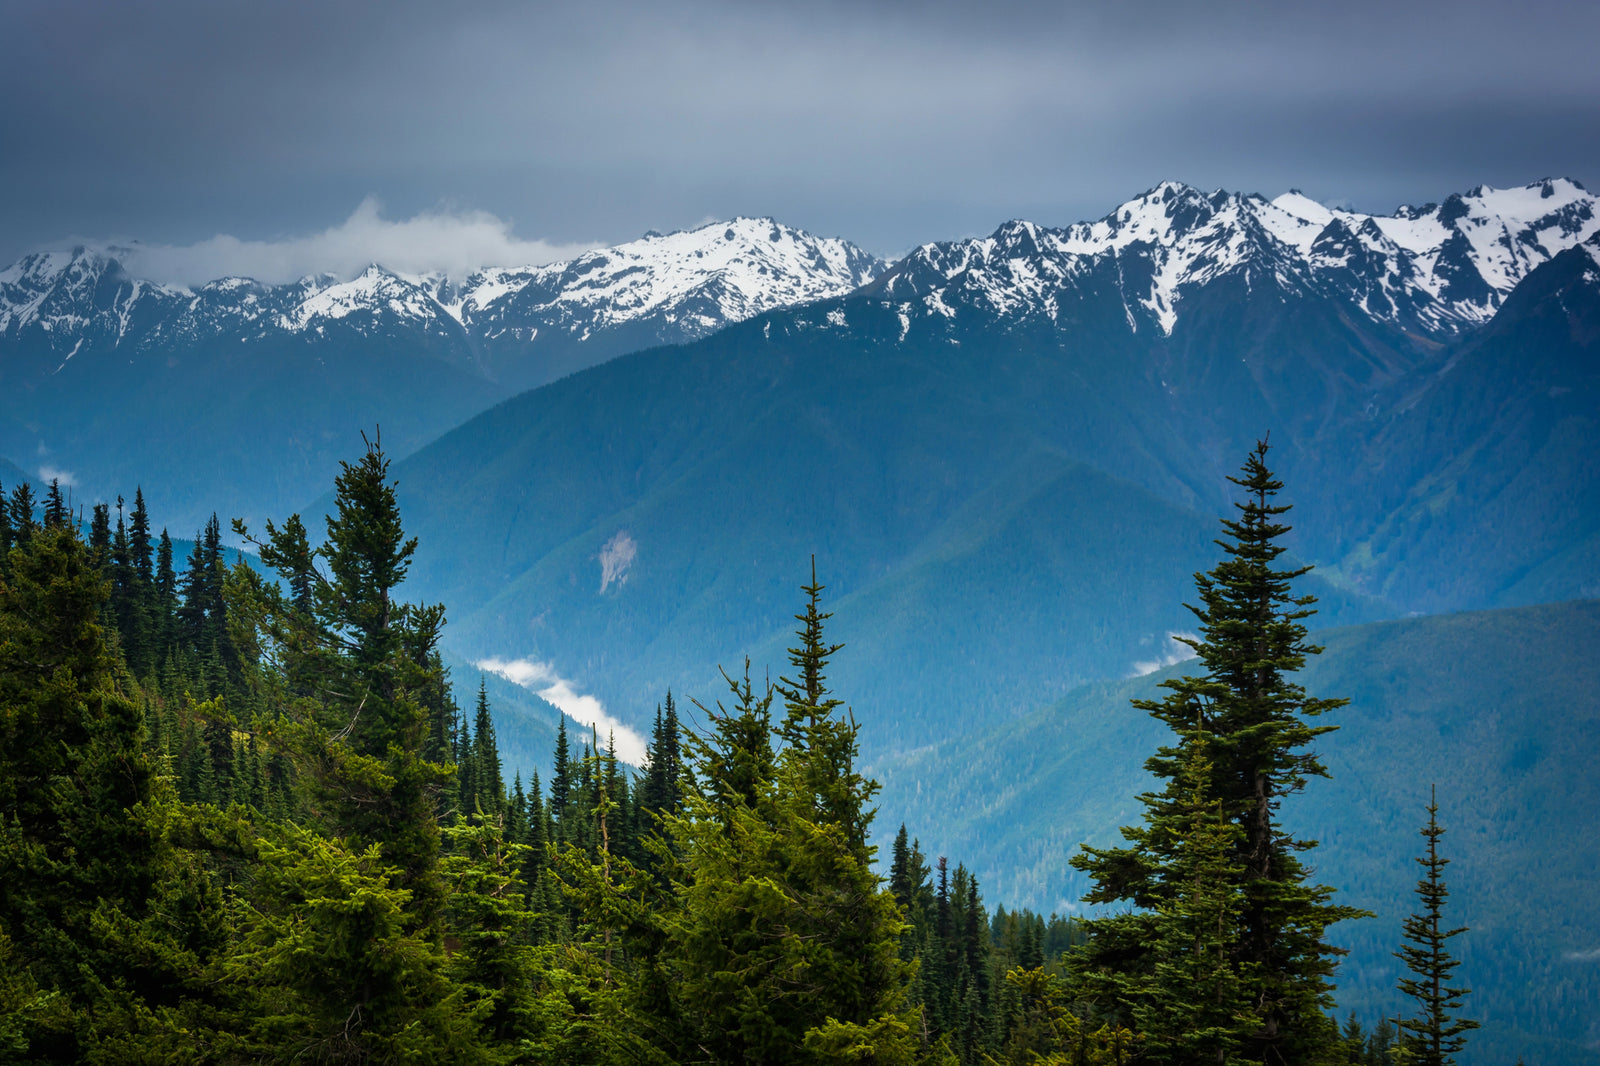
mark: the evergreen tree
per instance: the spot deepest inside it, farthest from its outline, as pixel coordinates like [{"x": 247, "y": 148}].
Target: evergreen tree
[
  {"x": 488, "y": 904},
  {"x": 736, "y": 763},
  {"x": 1254, "y": 721},
  {"x": 819, "y": 742},
  {"x": 89, "y": 889},
  {"x": 362, "y": 658},
  {"x": 55, "y": 507},
  {"x": 22, "y": 523},
  {"x": 166, "y": 593},
  {"x": 1194, "y": 1005},
  {"x": 785, "y": 945},
  {"x": 490, "y": 792},
  {"x": 561, "y": 781},
  {"x": 6, "y": 534},
  {"x": 440, "y": 705},
  {"x": 139, "y": 542},
  {"x": 661, "y": 790},
  {"x": 1436, "y": 1033},
  {"x": 329, "y": 943},
  {"x": 100, "y": 535},
  {"x": 131, "y": 580},
  {"x": 516, "y": 819},
  {"x": 194, "y": 593},
  {"x": 466, "y": 770}
]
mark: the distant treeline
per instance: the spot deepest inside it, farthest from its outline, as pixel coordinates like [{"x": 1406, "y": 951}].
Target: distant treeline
[{"x": 243, "y": 819}]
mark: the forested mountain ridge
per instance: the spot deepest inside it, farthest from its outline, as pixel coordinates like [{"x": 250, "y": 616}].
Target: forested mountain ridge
[
  {"x": 1494, "y": 707},
  {"x": 317, "y": 855},
  {"x": 1008, "y": 499}
]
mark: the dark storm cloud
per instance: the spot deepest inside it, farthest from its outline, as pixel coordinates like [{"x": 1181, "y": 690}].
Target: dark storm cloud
[{"x": 887, "y": 122}]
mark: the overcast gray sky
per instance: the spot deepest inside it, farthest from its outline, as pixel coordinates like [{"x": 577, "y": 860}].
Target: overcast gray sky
[{"x": 545, "y": 126}]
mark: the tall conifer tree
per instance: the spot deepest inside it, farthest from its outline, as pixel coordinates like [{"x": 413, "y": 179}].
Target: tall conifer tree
[
  {"x": 55, "y": 507},
  {"x": 1255, "y": 723},
  {"x": 6, "y": 534},
  {"x": 561, "y": 781},
  {"x": 1436, "y": 1033},
  {"x": 363, "y": 658},
  {"x": 491, "y": 789},
  {"x": 23, "y": 521}
]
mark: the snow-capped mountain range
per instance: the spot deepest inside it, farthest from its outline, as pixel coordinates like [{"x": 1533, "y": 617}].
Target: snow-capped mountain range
[
  {"x": 122, "y": 380},
  {"x": 1437, "y": 270},
  {"x": 662, "y": 288}
]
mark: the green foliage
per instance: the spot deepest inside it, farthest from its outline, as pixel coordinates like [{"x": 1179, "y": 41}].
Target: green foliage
[
  {"x": 1437, "y": 1033},
  {"x": 1249, "y": 720},
  {"x": 335, "y": 966},
  {"x": 355, "y": 664},
  {"x": 277, "y": 839}
]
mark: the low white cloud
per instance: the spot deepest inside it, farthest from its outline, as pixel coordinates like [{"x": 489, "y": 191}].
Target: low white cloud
[
  {"x": 452, "y": 242},
  {"x": 542, "y": 678},
  {"x": 51, "y": 473},
  {"x": 615, "y": 558},
  {"x": 1173, "y": 651},
  {"x": 1592, "y": 955}
]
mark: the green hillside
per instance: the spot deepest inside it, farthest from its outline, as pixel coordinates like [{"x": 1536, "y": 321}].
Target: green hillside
[{"x": 1501, "y": 709}]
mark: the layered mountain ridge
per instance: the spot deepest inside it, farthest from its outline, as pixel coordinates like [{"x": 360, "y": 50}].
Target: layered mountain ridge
[
  {"x": 1007, "y": 454},
  {"x": 1010, "y": 496},
  {"x": 241, "y": 395}
]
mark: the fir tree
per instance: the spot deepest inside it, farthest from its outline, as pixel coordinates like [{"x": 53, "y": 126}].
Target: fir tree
[
  {"x": 819, "y": 741},
  {"x": 737, "y": 762},
  {"x": 516, "y": 819},
  {"x": 166, "y": 591},
  {"x": 139, "y": 542},
  {"x": 6, "y": 534},
  {"x": 23, "y": 522},
  {"x": 488, "y": 905},
  {"x": 1256, "y": 726},
  {"x": 328, "y": 940},
  {"x": 195, "y": 595},
  {"x": 1436, "y": 1033},
  {"x": 55, "y": 507},
  {"x": 786, "y": 946},
  {"x": 363, "y": 658},
  {"x": 661, "y": 791},
  {"x": 466, "y": 770},
  {"x": 490, "y": 795},
  {"x": 100, "y": 535},
  {"x": 85, "y": 870},
  {"x": 1194, "y": 1005},
  {"x": 561, "y": 781}
]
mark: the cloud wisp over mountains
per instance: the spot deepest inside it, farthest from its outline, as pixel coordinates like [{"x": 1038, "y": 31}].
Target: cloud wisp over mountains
[
  {"x": 541, "y": 678},
  {"x": 442, "y": 240}
]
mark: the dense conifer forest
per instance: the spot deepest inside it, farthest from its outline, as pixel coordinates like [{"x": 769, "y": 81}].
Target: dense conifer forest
[{"x": 248, "y": 817}]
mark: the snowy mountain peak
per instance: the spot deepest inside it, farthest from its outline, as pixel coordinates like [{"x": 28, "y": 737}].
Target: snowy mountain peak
[
  {"x": 1438, "y": 269},
  {"x": 693, "y": 280},
  {"x": 67, "y": 296}
]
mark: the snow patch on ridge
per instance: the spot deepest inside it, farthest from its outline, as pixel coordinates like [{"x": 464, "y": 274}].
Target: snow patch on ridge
[{"x": 616, "y": 559}]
